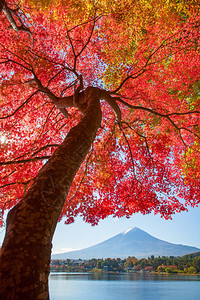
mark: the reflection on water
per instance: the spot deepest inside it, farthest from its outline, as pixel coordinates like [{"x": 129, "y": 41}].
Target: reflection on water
[
  {"x": 96, "y": 286},
  {"x": 126, "y": 276}
]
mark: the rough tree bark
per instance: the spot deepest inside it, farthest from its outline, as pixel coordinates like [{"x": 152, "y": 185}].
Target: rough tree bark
[{"x": 26, "y": 251}]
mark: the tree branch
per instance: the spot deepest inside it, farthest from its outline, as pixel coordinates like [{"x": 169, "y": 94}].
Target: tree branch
[
  {"x": 95, "y": 19},
  {"x": 143, "y": 137},
  {"x": 112, "y": 102},
  {"x": 12, "y": 61},
  {"x": 8, "y": 12},
  {"x": 53, "y": 62},
  {"x": 23, "y": 104},
  {"x": 130, "y": 151},
  {"x": 90, "y": 36},
  {"x": 56, "y": 100},
  {"x": 166, "y": 116},
  {"x": 43, "y": 148},
  {"x": 153, "y": 111},
  {"x": 52, "y": 78},
  {"x": 143, "y": 69},
  {"x": 13, "y": 183},
  {"x": 13, "y": 162}
]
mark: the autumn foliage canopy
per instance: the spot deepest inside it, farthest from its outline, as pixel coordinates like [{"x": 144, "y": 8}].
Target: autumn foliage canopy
[{"x": 146, "y": 54}]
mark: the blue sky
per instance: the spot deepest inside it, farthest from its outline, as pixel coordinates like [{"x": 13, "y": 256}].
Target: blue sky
[{"x": 183, "y": 229}]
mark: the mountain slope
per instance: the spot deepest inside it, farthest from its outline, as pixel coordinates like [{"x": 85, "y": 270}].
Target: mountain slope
[{"x": 132, "y": 242}]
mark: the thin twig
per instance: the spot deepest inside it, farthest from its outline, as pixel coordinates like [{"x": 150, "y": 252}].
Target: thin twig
[
  {"x": 143, "y": 69},
  {"x": 24, "y": 103}
]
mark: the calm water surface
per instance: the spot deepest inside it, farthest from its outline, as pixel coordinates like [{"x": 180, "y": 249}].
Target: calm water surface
[{"x": 88, "y": 286}]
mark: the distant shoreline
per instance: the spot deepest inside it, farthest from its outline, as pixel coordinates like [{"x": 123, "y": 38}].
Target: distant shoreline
[
  {"x": 185, "y": 265},
  {"x": 123, "y": 273}
]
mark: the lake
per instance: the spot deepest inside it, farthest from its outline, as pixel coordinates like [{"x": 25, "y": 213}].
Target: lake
[{"x": 94, "y": 286}]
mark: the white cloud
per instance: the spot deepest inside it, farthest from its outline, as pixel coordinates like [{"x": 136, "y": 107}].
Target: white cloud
[{"x": 63, "y": 250}]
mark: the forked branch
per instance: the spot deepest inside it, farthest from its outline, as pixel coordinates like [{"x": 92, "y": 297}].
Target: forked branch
[
  {"x": 77, "y": 54},
  {"x": 9, "y": 15},
  {"x": 166, "y": 116},
  {"x": 143, "y": 69}
]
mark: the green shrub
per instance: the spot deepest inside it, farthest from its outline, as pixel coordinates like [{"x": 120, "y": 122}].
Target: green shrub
[{"x": 192, "y": 270}]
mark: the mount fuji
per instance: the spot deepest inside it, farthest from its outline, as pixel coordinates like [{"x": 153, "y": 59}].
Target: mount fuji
[{"x": 132, "y": 242}]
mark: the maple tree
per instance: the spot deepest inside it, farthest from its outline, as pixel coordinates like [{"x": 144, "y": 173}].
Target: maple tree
[{"x": 63, "y": 152}]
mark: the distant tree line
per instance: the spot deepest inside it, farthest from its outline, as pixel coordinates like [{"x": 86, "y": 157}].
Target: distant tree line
[{"x": 185, "y": 264}]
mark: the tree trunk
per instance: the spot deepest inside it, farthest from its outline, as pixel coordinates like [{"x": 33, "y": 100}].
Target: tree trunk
[{"x": 26, "y": 251}]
